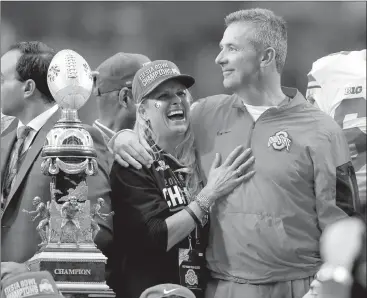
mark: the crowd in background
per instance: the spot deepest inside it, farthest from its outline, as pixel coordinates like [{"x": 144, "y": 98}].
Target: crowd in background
[{"x": 98, "y": 30}]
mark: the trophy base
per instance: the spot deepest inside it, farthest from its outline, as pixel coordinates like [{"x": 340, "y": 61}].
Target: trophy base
[{"x": 79, "y": 271}]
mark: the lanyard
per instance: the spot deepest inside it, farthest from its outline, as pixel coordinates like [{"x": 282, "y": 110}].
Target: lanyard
[
  {"x": 197, "y": 232},
  {"x": 188, "y": 196}
]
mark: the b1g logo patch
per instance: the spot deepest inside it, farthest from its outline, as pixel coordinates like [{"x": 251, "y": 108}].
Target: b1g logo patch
[
  {"x": 353, "y": 90},
  {"x": 280, "y": 140}
]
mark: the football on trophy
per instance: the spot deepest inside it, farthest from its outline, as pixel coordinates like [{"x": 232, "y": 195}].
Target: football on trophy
[{"x": 69, "y": 79}]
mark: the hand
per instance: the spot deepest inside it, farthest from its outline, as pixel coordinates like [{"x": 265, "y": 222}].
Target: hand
[
  {"x": 9, "y": 269},
  {"x": 33, "y": 218},
  {"x": 341, "y": 242},
  {"x": 26, "y": 211},
  {"x": 129, "y": 151},
  {"x": 223, "y": 179},
  {"x": 314, "y": 290}
]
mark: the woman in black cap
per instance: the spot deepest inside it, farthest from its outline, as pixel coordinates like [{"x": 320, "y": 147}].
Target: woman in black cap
[{"x": 161, "y": 212}]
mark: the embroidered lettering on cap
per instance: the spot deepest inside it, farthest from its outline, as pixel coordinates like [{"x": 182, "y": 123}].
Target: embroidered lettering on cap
[
  {"x": 24, "y": 288},
  {"x": 154, "y": 75},
  {"x": 158, "y": 70},
  {"x": 146, "y": 72},
  {"x": 280, "y": 141},
  {"x": 11, "y": 288},
  {"x": 161, "y": 65}
]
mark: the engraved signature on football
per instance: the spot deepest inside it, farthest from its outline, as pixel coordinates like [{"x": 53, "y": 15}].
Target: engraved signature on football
[
  {"x": 53, "y": 72},
  {"x": 87, "y": 71}
]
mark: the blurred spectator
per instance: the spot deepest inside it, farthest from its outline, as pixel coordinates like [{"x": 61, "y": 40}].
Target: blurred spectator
[
  {"x": 112, "y": 87},
  {"x": 337, "y": 85},
  {"x": 11, "y": 268},
  {"x": 30, "y": 284},
  {"x": 343, "y": 250}
]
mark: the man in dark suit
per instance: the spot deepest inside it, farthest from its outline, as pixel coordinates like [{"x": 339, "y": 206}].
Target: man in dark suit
[
  {"x": 25, "y": 95},
  {"x": 5, "y": 121}
]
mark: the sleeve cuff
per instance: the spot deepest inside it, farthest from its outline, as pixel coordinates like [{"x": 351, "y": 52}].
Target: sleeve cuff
[{"x": 111, "y": 143}]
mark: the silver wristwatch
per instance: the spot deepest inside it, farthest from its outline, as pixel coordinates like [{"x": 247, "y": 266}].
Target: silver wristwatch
[{"x": 203, "y": 202}]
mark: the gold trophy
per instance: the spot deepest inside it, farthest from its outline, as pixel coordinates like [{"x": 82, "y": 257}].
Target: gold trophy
[{"x": 68, "y": 221}]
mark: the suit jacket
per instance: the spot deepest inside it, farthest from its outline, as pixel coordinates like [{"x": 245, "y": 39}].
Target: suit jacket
[
  {"x": 6, "y": 121},
  {"x": 107, "y": 135},
  {"x": 19, "y": 238}
]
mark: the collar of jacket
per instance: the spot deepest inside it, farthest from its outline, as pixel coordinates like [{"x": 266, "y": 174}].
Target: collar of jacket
[
  {"x": 107, "y": 131},
  {"x": 294, "y": 98}
]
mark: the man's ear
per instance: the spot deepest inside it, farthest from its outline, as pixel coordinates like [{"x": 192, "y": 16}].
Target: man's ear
[
  {"x": 124, "y": 95},
  {"x": 268, "y": 57},
  {"x": 29, "y": 88}
]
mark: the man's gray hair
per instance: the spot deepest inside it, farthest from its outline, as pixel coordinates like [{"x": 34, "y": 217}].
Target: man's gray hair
[{"x": 269, "y": 30}]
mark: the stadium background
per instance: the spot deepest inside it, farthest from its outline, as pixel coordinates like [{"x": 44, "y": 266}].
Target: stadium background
[{"x": 187, "y": 33}]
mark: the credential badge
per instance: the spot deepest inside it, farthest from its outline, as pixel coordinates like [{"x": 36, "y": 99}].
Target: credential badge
[
  {"x": 280, "y": 140},
  {"x": 191, "y": 278}
]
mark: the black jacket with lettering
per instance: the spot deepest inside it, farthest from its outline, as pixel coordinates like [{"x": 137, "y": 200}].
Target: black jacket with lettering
[{"x": 142, "y": 201}]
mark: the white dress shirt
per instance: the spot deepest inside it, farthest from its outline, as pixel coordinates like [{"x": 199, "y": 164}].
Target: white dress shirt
[{"x": 36, "y": 124}]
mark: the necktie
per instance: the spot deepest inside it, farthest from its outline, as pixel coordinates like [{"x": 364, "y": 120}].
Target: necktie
[{"x": 14, "y": 164}]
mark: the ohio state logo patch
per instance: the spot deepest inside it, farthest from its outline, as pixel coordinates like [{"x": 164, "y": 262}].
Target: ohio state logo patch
[
  {"x": 191, "y": 278},
  {"x": 280, "y": 140},
  {"x": 162, "y": 166}
]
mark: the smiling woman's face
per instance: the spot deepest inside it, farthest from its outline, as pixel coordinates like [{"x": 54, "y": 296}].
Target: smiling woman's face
[{"x": 168, "y": 109}]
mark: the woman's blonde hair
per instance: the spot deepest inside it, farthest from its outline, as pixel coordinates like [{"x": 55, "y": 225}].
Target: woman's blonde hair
[{"x": 184, "y": 152}]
